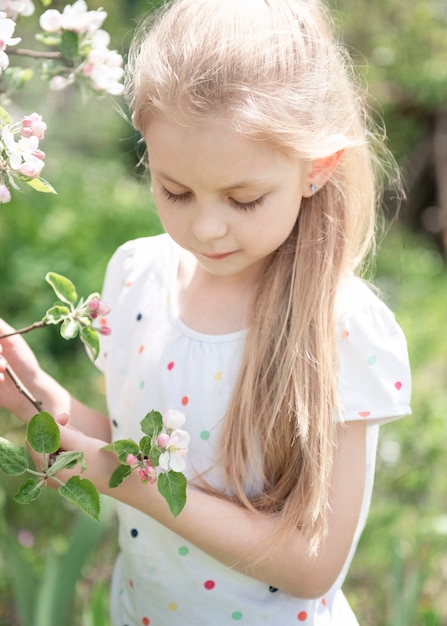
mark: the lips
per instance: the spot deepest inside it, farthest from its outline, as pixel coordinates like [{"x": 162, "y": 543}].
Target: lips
[{"x": 217, "y": 257}]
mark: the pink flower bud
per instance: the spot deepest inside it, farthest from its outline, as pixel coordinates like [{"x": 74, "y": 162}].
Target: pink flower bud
[
  {"x": 162, "y": 440},
  {"x": 131, "y": 459},
  {"x": 151, "y": 474},
  {"x": 30, "y": 169},
  {"x": 35, "y": 124},
  {"x": 105, "y": 330},
  {"x": 40, "y": 154},
  {"x": 5, "y": 194},
  {"x": 98, "y": 307},
  {"x": 142, "y": 474}
]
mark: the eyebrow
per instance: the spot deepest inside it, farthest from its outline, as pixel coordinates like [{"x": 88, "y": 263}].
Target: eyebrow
[{"x": 239, "y": 184}]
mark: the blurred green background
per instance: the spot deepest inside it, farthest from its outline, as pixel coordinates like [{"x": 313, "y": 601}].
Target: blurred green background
[{"x": 399, "y": 575}]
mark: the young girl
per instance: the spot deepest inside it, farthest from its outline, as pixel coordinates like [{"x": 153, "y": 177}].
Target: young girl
[{"x": 247, "y": 316}]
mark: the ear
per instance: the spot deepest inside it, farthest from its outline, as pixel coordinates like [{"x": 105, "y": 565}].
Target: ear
[{"x": 320, "y": 171}]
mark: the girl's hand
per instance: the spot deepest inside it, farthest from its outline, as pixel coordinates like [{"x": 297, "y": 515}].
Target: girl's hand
[
  {"x": 15, "y": 352},
  {"x": 100, "y": 463}
]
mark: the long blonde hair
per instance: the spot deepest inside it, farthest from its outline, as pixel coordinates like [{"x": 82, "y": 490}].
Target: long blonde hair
[{"x": 281, "y": 77}]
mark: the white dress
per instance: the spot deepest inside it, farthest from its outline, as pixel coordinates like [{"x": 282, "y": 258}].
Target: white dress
[{"x": 154, "y": 361}]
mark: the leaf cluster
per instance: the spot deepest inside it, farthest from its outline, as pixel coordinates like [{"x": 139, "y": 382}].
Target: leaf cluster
[
  {"x": 43, "y": 437},
  {"x": 171, "y": 485}
]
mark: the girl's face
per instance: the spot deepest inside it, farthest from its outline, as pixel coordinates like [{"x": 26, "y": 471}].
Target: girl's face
[{"x": 229, "y": 200}]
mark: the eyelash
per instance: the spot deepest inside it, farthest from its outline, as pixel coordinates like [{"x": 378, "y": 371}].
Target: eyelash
[{"x": 242, "y": 206}]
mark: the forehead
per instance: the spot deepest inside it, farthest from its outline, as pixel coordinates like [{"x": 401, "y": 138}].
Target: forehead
[{"x": 211, "y": 149}]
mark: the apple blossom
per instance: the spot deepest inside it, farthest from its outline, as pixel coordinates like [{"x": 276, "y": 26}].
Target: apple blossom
[
  {"x": 5, "y": 194},
  {"x": 14, "y": 8},
  {"x": 131, "y": 459},
  {"x": 57, "y": 83},
  {"x": 33, "y": 125},
  {"x": 162, "y": 440},
  {"x": 50, "y": 21},
  {"x": 76, "y": 18},
  {"x": 7, "y": 27},
  {"x": 97, "y": 307},
  {"x": 173, "y": 419},
  {"x": 104, "y": 68},
  {"x": 173, "y": 458}
]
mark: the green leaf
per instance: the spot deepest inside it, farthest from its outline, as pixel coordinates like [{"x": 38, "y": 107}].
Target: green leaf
[
  {"x": 69, "y": 328},
  {"x": 56, "y": 314},
  {"x": 83, "y": 493},
  {"x": 69, "y": 44},
  {"x": 118, "y": 476},
  {"x": 146, "y": 446},
  {"x": 4, "y": 116},
  {"x": 43, "y": 433},
  {"x": 123, "y": 447},
  {"x": 154, "y": 455},
  {"x": 28, "y": 491},
  {"x": 13, "y": 459},
  {"x": 152, "y": 424},
  {"x": 66, "y": 460},
  {"x": 172, "y": 486},
  {"x": 62, "y": 287},
  {"x": 40, "y": 184},
  {"x": 89, "y": 337}
]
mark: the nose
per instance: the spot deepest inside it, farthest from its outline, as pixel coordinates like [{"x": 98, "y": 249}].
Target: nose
[{"x": 208, "y": 224}]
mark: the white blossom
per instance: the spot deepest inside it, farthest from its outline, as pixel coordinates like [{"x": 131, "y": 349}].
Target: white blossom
[
  {"x": 173, "y": 458},
  {"x": 14, "y": 8},
  {"x": 7, "y": 27}
]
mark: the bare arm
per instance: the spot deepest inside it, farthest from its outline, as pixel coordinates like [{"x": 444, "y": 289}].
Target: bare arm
[
  {"x": 235, "y": 536},
  {"x": 55, "y": 399}
]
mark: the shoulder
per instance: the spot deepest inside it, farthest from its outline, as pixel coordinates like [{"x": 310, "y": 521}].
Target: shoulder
[
  {"x": 374, "y": 370},
  {"x": 138, "y": 254}
]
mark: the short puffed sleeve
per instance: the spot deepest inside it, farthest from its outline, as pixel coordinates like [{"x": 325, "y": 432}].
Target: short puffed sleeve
[
  {"x": 374, "y": 372},
  {"x": 115, "y": 278}
]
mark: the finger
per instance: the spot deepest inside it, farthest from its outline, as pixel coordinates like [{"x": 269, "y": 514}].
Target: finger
[{"x": 62, "y": 419}]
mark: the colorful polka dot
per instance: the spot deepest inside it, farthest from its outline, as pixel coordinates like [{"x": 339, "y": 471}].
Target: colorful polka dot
[
  {"x": 323, "y": 601},
  {"x": 145, "y": 621},
  {"x": 345, "y": 334},
  {"x": 142, "y": 383},
  {"x": 236, "y": 616},
  {"x": 205, "y": 435},
  {"x": 134, "y": 533},
  {"x": 183, "y": 550},
  {"x": 128, "y": 284},
  {"x": 170, "y": 365},
  {"x": 115, "y": 423},
  {"x": 173, "y": 606},
  {"x": 398, "y": 385},
  {"x": 139, "y": 317},
  {"x": 185, "y": 400},
  {"x": 273, "y": 589},
  {"x": 131, "y": 583},
  {"x": 209, "y": 584},
  {"x": 140, "y": 349},
  {"x": 372, "y": 360},
  {"x": 364, "y": 413},
  {"x": 218, "y": 376},
  {"x": 302, "y": 616}
]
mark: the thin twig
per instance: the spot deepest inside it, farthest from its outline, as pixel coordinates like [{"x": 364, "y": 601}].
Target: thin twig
[
  {"x": 35, "y": 54},
  {"x": 37, "y": 404},
  {"x": 41, "y": 54},
  {"x": 24, "y": 330}
]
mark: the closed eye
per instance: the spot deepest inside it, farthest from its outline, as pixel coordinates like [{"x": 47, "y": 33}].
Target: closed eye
[
  {"x": 247, "y": 206},
  {"x": 174, "y": 197}
]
